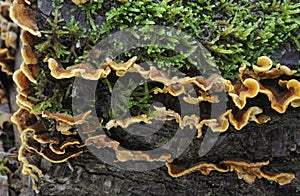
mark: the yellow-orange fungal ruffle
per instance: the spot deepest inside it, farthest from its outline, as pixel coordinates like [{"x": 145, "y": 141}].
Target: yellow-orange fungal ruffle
[
  {"x": 28, "y": 167},
  {"x": 8, "y": 30},
  {"x": 33, "y": 134},
  {"x": 23, "y": 14},
  {"x": 38, "y": 132},
  {"x": 101, "y": 141},
  {"x": 51, "y": 148},
  {"x": 202, "y": 98},
  {"x": 250, "y": 171},
  {"x": 264, "y": 64},
  {"x": 23, "y": 102},
  {"x": 245, "y": 171},
  {"x": 27, "y": 51},
  {"x": 239, "y": 120},
  {"x": 82, "y": 70},
  {"x": 6, "y": 61},
  {"x": 242, "y": 90},
  {"x": 124, "y": 123},
  {"x": 50, "y": 155},
  {"x": 31, "y": 71},
  {"x": 22, "y": 82},
  {"x": 123, "y": 66},
  {"x": 295, "y": 103},
  {"x": 276, "y": 72},
  {"x": 85, "y": 71},
  {"x": 216, "y": 125},
  {"x": 64, "y": 128},
  {"x": 205, "y": 168},
  {"x": 23, "y": 119},
  {"x": 281, "y": 100},
  {"x": 67, "y": 119},
  {"x": 242, "y": 118},
  {"x": 61, "y": 147}
]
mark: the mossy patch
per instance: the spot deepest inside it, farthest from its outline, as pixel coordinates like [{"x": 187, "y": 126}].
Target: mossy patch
[{"x": 233, "y": 31}]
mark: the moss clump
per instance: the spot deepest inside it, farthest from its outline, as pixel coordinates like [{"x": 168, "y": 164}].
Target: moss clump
[
  {"x": 51, "y": 95},
  {"x": 233, "y": 31}
]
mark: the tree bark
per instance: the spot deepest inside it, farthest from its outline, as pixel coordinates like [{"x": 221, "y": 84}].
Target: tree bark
[{"x": 277, "y": 141}]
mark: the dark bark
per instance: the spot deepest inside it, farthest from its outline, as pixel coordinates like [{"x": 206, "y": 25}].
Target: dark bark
[{"x": 277, "y": 141}]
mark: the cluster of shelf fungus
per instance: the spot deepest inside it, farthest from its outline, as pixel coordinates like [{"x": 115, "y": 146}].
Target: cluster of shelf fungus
[{"x": 65, "y": 143}]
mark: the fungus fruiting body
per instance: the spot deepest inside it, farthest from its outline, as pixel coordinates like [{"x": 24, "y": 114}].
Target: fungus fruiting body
[
  {"x": 59, "y": 142},
  {"x": 246, "y": 171}
]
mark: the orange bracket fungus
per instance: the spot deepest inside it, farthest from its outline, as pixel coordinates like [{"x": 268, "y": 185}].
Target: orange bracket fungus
[
  {"x": 61, "y": 142},
  {"x": 101, "y": 141},
  {"x": 23, "y": 14},
  {"x": 281, "y": 100},
  {"x": 6, "y": 61},
  {"x": 245, "y": 171}
]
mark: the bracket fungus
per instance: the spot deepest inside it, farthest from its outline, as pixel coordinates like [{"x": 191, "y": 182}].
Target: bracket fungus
[
  {"x": 80, "y": 119},
  {"x": 281, "y": 100},
  {"x": 27, "y": 50},
  {"x": 242, "y": 90},
  {"x": 82, "y": 70},
  {"x": 264, "y": 64},
  {"x": 245, "y": 171},
  {"x": 122, "y": 155},
  {"x": 6, "y": 61},
  {"x": 61, "y": 143},
  {"x": 23, "y": 14},
  {"x": 8, "y": 30}
]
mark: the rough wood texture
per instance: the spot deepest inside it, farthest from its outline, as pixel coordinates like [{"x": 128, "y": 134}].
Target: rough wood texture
[{"x": 277, "y": 141}]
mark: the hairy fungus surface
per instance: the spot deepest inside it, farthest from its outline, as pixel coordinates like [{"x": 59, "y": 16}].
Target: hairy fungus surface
[{"x": 23, "y": 14}]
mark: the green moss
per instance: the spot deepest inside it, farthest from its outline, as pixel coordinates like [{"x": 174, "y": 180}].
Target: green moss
[
  {"x": 4, "y": 170},
  {"x": 51, "y": 95},
  {"x": 233, "y": 31}
]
